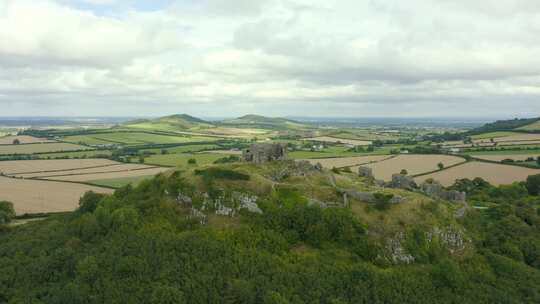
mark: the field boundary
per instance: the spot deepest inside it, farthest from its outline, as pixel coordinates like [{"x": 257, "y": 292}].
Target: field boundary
[
  {"x": 82, "y": 168},
  {"x": 90, "y": 173}
]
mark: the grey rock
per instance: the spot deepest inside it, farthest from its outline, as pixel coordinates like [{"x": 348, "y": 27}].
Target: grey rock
[{"x": 401, "y": 181}]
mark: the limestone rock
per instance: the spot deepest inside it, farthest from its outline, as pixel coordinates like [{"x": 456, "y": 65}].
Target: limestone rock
[
  {"x": 365, "y": 172},
  {"x": 401, "y": 181}
]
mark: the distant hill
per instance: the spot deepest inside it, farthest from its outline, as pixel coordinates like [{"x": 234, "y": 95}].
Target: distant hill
[
  {"x": 258, "y": 121},
  {"x": 525, "y": 124},
  {"x": 172, "y": 122}
]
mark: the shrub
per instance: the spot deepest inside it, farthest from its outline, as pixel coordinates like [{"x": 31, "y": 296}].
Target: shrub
[
  {"x": 218, "y": 173},
  {"x": 533, "y": 184},
  {"x": 404, "y": 172},
  {"x": 227, "y": 159},
  {"x": 6, "y": 212},
  {"x": 382, "y": 200},
  {"x": 192, "y": 161}
]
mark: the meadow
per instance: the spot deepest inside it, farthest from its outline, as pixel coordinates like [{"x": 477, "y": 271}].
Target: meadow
[
  {"x": 39, "y": 148},
  {"x": 23, "y": 139},
  {"x": 135, "y": 138}
]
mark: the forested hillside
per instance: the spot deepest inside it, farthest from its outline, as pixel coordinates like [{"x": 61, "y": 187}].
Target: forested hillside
[{"x": 145, "y": 245}]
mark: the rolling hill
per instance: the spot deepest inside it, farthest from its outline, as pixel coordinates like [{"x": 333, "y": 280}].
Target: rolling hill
[
  {"x": 171, "y": 123},
  {"x": 263, "y": 122},
  {"x": 524, "y": 124},
  {"x": 535, "y": 126}
]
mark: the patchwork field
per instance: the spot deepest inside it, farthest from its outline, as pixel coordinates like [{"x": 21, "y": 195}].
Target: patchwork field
[
  {"x": 414, "y": 164},
  {"x": 532, "y": 127},
  {"x": 340, "y": 140},
  {"x": 89, "y": 177},
  {"x": 181, "y": 160},
  {"x": 494, "y": 173},
  {"x": 23, "y": 139},
  {"x": 501, "y": 157},
  {"x": 340, "y": 162},
  {"x": 34, "y": 196},
  {"x": 515, "y": 137},
  {"x": 35, "y": 166},
  {"x": 72, "y": 172},
  {"x": 134, "y": 138},
  {"x": 39, "y": 148}
]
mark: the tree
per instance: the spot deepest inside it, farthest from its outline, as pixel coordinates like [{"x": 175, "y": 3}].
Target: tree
[
  {"x": 533, "y": 184},
  {"x": 16, "y": 141},
  {"x": 192, "y": 161},
  {"x": 6, "y": 212},
  {"x": 404, "y": 172},
  {"x": 440, "y": 165},
  {"x": 538, "y": 160},
  {"x": 141, "y": 159}
]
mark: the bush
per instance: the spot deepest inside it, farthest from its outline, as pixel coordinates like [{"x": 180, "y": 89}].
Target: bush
[
  {"x": 533, "y": 184},
  {"x": 382, "y": 200},
  {"x": 6, "y": 212},
  {"x": 218, "y": 173},
  {"x": 192, "y": 161},
  {"x": 228, "y": 159}
]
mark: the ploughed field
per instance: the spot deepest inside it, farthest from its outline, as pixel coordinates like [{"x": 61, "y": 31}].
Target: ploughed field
[
  {"x": 39, "y": 148},
  {"x": 35, "y": 196},
  {"x": 340, "y": 162},
  {"x": 414, "y": 164},
  {"x": 496, "y": 174}
]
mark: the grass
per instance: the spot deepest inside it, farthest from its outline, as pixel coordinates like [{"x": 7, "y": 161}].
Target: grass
[
  {"x": 504, "y": 152},
  {"x": 532, "y": 127},
  {"x": 184, "y": 149},
  {"x": 337, "y": 151},
  {"x": 494, "y": 135},
  {"x": 39, "y": 148},
  {"x": 120, "y": 182},
  {"x": 181, "y": 160},
  {"x": 134, "y": 138}
]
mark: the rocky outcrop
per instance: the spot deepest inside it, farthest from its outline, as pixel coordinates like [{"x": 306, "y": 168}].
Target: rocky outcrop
[
  {"x": 396, "y": 252},
  {"x": 435, "y": 190},
  {"x": 451, "y": 238}
]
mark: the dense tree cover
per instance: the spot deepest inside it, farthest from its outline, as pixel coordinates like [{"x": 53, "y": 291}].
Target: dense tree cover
[
  {"x": 140, "y": 246},
  {"x": 6, "y": 212},
  {"x": 503, "y": 125}
]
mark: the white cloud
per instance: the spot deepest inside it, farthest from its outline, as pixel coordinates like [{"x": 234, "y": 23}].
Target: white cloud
[{"x": 213, "y": 56}]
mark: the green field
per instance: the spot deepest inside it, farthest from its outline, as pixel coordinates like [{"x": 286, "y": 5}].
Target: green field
[
  {"x": 184, "y": 149},
  {"x": 181, "y": 160},
  {"x": 135, "y": 138},
  {"x": 120, "y": 182},
  {"x": 494, "y": 135},
  {"x": 532, "y": 127}
]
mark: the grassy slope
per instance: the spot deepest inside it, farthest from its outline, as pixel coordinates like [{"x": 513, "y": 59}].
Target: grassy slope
[{"x": 531, "y": 127}]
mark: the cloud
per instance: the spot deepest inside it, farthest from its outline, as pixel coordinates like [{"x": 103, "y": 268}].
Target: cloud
[{"x": 309, "y": 57}]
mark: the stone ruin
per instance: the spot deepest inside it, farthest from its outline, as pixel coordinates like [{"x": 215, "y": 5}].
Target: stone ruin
[
  {"x": 265, "y": 152},
  {"x": 435, "y": 190},
  {"x": 365, "y": 172},
  {"x": 402, "y": 181}
]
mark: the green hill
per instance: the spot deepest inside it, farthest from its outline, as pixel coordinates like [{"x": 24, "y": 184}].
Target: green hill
[
  {"x": 276, "y": 233},
  {"x": 507, "y": 125},
  {"x": 171, "y": 123},
  {"x": 535, "y": 126},
  {"x": 263, "y": 122}
]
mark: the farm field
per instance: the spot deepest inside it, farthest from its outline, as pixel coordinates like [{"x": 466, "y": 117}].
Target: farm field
[
  {"x": 119, "y": 167},
  {"x": 414, "y": 164},
  {"x": 120, "y": 182},
  {"x": 496, "y": 174},
  {"x": 34, "y": 196},
  {"x": 77, "y": 154},
  {"x": 226, "y": 152},
  {"x": 494, "y": 135},
  {"x": 181, "y": 159},
  {"x": 29, "y": 166},
  {"x": 23, "y": 139},
  {"x": 40, "y": 148},
  {"x": 134, "y": 138},
  {"x": 515, "y": 137},
  {"x": 339, "y": 140},
  {"x": 501, "y": 157},
  {"x": 183, "y": 149},
  {"x": 341, "y": 162},
  {"x": 88, "y": 177}
]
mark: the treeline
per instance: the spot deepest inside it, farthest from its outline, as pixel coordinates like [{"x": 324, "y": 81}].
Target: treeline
[{"x": 140, "y": 246}]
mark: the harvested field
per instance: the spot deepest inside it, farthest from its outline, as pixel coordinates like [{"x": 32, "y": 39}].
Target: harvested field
[
  {"x": 33, "y": 196},
  {"x": 511, "y": 138},
  {"x": 501, "y": 157},
  {"x": 414, "y": 164},
  {"x": 514, "y": 143},
  {"x": 494, "y": 173},
  {"x": 29, "y": 166},
  {"x": 340, "y": 162},
  {"x": 108, "y": 175},
  {"x": 340, "y": 140},
  {"x": 40, "y": 148},
  {"x": 23, "y": 139},
  {"x": 106, "y": 169}
]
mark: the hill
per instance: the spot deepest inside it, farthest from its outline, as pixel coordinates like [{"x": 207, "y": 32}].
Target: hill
[
  {"x": 506, "y": 125},
  {"x": 170, "y": 123},
  {"x": 535, "y": 126},
  {"x": 263, "y": 122},
  {"x": 276, "y": 233}
]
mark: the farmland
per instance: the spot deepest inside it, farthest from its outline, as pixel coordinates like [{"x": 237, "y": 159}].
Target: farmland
[
  {"x": 34, "y": 196},
  {"x": 501, "y": 157},
  {"x": 340, "y": 162},
  {"x": 23, "y": 139},
  {"x": 329, "y": 139},
  {"x": 414, "y": 164},
  {"x": 39, "y": 148},
  {"x": 181, "y": 160},
  {"x": 134, "y": 138},
  {"x": 494, "y": 173},
  {"x": 33, "y": 166}
]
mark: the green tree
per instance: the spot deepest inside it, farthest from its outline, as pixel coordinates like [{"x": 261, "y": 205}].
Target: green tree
[
  {"x": 192, "y": 161},
  {"x": 6, "y": 212},
  {"x": 16, "y": 141},
  {"x": 404, "y": 172},
  {"x": 533, "y": 184},
  {"x": 440, "y": 165}
]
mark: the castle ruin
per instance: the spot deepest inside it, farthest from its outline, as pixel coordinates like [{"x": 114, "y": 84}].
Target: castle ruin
[{"x": 264, "y": 152}]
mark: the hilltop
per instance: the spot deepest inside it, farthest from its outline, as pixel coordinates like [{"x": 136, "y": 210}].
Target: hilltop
[
  {"x": 263, "y": 122},
  {"x": 275, "y": 233},
  {"x": 170, "y": 123}
]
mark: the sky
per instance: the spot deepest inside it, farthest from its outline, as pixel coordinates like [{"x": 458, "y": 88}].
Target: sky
[{"x": 346, "y": 58}]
